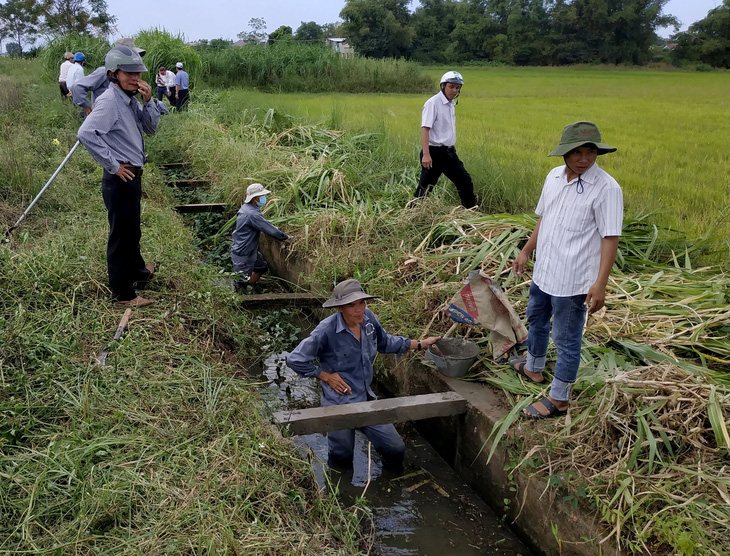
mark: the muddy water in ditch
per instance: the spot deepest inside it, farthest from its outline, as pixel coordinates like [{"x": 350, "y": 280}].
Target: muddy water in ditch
[{"x": 425, "y": 510}]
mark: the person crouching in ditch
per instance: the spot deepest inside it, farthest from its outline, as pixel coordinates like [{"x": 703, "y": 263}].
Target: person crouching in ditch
[
  {"x": 248, "y": 262},
  {"x": 112, "y": 133},
  {"x": 345, "y": 345},
  {"x": 576, "y": 237}
]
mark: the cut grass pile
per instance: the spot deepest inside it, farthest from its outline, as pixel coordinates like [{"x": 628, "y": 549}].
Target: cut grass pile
[
  {"x": 168, "y": 448},
  {"x": 660, "y": 351}
]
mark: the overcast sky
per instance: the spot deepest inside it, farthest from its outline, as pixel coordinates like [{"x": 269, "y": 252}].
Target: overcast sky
[{"x": 212, "y": 19}]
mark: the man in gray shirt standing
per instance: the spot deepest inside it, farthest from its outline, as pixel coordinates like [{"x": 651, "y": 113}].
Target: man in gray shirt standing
[{"x": 112, "y": 133}]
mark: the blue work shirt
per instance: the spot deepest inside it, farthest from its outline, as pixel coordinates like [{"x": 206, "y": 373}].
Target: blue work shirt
[
  {"x": 249, "y": 225},
  {"x": 96, "y": 82},
  {"x": 112, "y": 133},
  {"x": 339, "y": 351},
  {"x": 182, "y": 79}
]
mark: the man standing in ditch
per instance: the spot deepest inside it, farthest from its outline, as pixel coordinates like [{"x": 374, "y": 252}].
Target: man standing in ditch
[
  {"x": 345, "y": 345},
  {"x": 576, "y": 239},
  {"x": 438, "y": 137},
  {"x": 112, "y": 133}
]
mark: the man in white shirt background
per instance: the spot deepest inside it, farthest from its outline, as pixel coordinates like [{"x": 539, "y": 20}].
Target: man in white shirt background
[
  {"x": 76, "y": 71},
  {"x": 438, "y": 137},
  {"x": 63, "y": 73}
]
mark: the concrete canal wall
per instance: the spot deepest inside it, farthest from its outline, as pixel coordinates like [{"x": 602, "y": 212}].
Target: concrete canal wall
[{"x": 539, "y": 513}]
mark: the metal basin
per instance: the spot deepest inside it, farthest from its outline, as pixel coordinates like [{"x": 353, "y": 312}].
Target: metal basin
[{"x": 453, "y": 356}]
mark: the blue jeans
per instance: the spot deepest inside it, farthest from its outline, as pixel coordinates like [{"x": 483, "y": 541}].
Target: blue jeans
[
  {"x": 385, "y": 439},
  {"x": 568, "y": 317}
]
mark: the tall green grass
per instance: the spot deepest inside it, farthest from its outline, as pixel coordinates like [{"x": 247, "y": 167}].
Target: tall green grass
[
  {"x": 168, "y": 448},
  {"x": 162, "y": 49},
  {"x": 312, "y": 68}
]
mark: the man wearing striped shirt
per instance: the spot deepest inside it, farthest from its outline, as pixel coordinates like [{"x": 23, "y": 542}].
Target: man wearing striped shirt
[
  {"x": 112, "y": 133},
  {"x": 576, "y": 240}
]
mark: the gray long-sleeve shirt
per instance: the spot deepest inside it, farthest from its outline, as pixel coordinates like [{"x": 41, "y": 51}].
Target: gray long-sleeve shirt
[
  {"x": 112, "y": 133},
  {"x": 96, "y": 82},
  {"x": 249, "y": 225}
]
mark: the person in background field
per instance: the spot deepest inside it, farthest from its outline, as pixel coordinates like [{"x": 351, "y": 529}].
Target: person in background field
[
  {"x": 438, "y": 137},
  {"x": 97, "y": 81},
  {"x": 576, "y": 239},
  {"x": 182, "y": 83},
  {"x": 248, "y": 261},
  {"x": 76, "y": 71},
  {"x": 63, "y": 73},
  {"x": 345, "y": 345},
  {"x": 112, "y": 133},
  {"x": 161, "y": 82}
]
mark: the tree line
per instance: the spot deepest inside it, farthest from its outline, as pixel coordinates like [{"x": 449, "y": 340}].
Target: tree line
[
  {"x": 524, "y": 32},
  {"x": 23, "y": 21}
]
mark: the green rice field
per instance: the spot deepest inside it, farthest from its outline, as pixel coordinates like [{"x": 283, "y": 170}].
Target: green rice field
[{"x": 671, "y": 129}]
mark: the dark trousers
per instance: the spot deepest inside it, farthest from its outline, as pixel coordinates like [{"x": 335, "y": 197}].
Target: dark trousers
[
  {"x": 63, "y": 88},
  {"x": 123, "y": 258},
  {"x": 446, "y": 161},
  {"x": 161, "y": 93},
  {"x": 172, "y": 98},
  {"x": 182, "y": 100}
]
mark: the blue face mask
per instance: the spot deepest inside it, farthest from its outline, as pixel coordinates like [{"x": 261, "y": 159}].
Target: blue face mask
[{"x": 262, "y": 200}]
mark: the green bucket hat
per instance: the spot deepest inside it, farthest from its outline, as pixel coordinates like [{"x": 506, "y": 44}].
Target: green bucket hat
[{"x": 578, "y": 134}]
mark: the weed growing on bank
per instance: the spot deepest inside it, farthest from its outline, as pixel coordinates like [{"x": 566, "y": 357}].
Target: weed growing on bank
[{"x": 165, "y": 449}]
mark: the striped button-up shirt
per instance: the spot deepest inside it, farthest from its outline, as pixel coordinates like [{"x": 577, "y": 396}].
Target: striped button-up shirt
[
  {"x": 96, "y": 83},
  {"x": 112, "y": 133},
  {"x": 339, "y": 351},
  {"x": 575, "y": 219},
  {"x": 439, "y": 116}
]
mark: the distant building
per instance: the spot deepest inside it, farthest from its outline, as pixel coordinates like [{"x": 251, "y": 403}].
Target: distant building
[
  {"x": 670, "y": 46},
  {"x": 340, "y": 45}
]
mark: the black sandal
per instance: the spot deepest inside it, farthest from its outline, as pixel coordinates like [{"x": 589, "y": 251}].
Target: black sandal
[
  {"x": 531, "y": 412},
  {"x": 518, "y": 365}
]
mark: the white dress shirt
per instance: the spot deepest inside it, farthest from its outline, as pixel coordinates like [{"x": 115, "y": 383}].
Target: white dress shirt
[
  {"x": 64, "y": 70},
  {"x": 75, "y": 72},
  {"x": 440, "y": 117},
  {"x": 575, "y": 219}
]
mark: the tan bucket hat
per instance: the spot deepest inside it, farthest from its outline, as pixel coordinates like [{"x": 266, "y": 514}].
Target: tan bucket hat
[
  {"x": 346, "y": 292},
  {"x": 578, "y": 134}
]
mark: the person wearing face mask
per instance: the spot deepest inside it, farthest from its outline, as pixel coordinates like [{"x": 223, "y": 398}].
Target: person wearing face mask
[
  {"x": 575, "y": 242},
  {"x": 112, "y": 133},
  {"x": 248, "y": 261}
]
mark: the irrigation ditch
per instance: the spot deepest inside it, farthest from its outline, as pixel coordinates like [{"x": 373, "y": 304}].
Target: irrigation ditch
[
  {"x": 546, "y": 518},
  {"x": 427, "y": 509}
]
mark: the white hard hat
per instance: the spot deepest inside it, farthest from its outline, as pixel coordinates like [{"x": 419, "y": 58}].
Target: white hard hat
[
  {"x": 178, "y": 65},
  {"x": 452, "y": 77}
]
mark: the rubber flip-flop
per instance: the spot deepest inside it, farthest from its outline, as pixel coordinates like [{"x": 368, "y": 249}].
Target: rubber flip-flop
[
  {"x": 530, "y": 412},
  {"x": 518, "y": 365}
]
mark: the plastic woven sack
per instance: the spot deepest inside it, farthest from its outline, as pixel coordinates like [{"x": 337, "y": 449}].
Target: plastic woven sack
[{"x": 481, "y": 302}]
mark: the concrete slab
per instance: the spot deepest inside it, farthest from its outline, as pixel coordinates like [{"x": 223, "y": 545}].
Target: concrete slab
[{"x": 377, "y": 412}]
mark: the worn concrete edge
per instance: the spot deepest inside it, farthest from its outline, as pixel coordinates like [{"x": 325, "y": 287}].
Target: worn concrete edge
[{"x": 548, "y": 523}]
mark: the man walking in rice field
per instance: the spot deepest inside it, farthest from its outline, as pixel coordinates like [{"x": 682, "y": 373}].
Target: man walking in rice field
[
  {"x": 576, "y": 239},
  {"x": 438, "y": 137}
]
